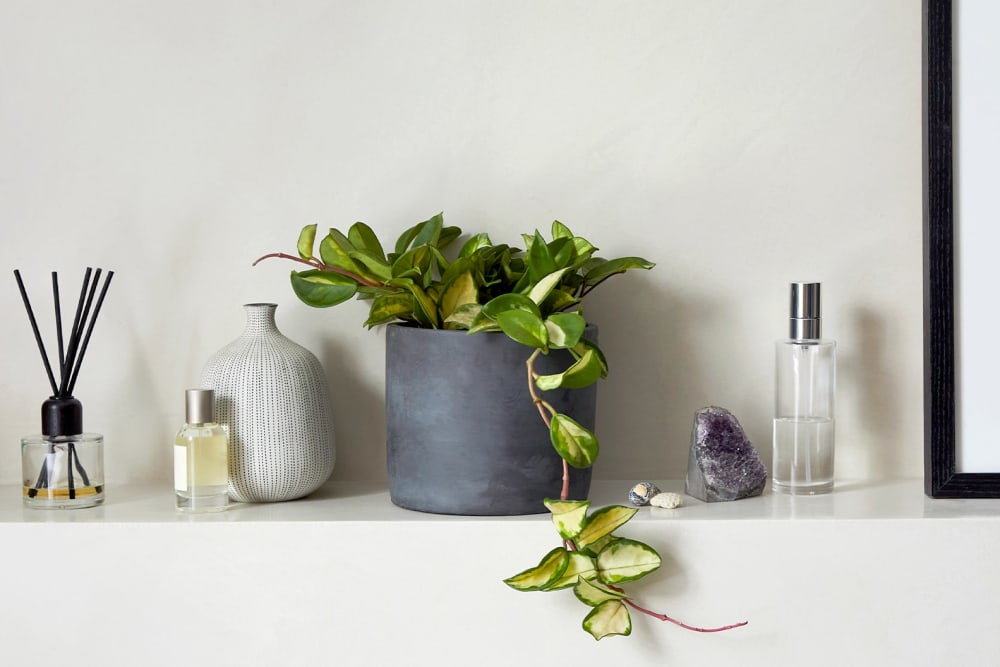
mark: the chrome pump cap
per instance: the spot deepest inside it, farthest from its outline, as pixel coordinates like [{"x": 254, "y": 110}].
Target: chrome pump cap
[
  {"x": 805, "y": 319},
  {"x": 199, "y": 406}
]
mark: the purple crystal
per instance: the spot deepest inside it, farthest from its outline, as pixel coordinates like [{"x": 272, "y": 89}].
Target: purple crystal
[{"x": 722, "y": 464}]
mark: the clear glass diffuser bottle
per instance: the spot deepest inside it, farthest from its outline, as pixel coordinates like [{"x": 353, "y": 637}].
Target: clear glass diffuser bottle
[
  {"x": 62, "y": 468},
  {"x": 201, "y": 456},
  {"x": 805, "y": 384}
]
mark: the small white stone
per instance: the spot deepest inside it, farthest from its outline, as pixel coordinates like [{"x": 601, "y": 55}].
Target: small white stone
[{"x": 666, "y": 500}]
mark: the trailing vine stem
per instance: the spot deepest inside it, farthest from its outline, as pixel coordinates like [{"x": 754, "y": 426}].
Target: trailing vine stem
[
  {"x": 545, "y": 409},
  {"x": 316, "y": 264},
  {"x": 544, "y": 406},
  {"x": 692, "y": 628}
]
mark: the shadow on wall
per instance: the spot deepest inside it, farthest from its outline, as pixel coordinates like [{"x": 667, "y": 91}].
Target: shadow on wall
[
  {"x": 876, "y": 407},
  {"x": 658, "y": 376},
  {"x": 358, "y": 413}
]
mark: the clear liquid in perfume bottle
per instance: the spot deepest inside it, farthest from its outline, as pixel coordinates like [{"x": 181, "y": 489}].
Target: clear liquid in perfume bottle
[{"x": 803, "y": 455}]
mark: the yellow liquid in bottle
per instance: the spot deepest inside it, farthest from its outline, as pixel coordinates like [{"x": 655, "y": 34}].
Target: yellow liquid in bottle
[{"x": 201, "y": 468}]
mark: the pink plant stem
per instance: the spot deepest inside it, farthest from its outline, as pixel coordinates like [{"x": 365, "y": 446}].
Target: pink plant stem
[
  {"x": 316, "y": 264},
  {"x": 664, "y": 617},
  {"x": 542, "y": 410}
]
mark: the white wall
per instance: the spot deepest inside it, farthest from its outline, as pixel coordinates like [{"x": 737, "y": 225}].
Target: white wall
[{"x": 738, "y": 144}]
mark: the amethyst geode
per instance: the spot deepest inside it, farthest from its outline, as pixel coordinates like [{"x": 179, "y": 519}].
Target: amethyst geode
[{"x": 722, "y": 464}]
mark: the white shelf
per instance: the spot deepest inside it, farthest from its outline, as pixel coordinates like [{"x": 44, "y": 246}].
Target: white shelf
[
  {"x": 344, "y": 577},
  {"x": 364, "y": 501}
]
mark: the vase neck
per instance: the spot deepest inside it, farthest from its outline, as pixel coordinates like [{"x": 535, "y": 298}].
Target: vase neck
[{"x": 260, "y": 318}]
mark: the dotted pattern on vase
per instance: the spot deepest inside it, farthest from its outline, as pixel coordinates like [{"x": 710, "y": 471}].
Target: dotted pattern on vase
[{"x": 273, "y": 395}]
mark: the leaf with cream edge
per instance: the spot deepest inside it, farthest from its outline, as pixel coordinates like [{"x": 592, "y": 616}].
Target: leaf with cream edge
[
  {"x": 593, "y": 593},
  {"x": 584, "y": 372},
  {"x": 575, "y": 444},
  {"x": 551, "y": 567},
  {"x": 464, "y": 316},
  {"x": 608, "y": 618},
  {"x": 544, "y": 287},
  {"x": 462, "y": 291},
  {"x": 579, "y": 566},
  {"x": 626, "y": 560},
  {"x": 568, "y": 516},
  {"x": 603, "y": 522}
]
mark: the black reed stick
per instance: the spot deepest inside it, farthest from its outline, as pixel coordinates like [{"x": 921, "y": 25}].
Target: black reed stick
[
  {"x": 59, "y": 330},
  {"x": 78, "y": 324},
  {"x": 34, "y": 327},
  {"x": 90, "y": 327}
]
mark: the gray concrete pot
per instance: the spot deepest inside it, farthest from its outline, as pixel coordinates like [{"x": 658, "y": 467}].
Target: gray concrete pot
[{"x": 463, "y": 435}]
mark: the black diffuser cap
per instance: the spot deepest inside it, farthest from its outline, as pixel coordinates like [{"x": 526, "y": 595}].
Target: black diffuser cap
[{"x": 62, "y": 416}]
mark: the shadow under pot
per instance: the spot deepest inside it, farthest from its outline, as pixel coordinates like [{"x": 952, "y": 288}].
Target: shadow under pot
[{"x": 463, "y": 434}]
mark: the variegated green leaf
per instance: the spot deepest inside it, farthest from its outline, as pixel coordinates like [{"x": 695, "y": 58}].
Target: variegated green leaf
[
  {"x": 585, "y": 371},
  {"x": 608, "y": 618},
  {"x": 524, "y": 327},
  {"x": 559, "y": 230},
  {"x": 388, "y": 308},
  {"x": 568, "y": 516},
  {"x": 447, "y": 236},
  {"x": 307, "y": 239},
  {"x": 539, "y": 260},
  {"x": 460, "y": 292},
  {"x": 363, "y": 238},
  {"x": 373, "y": 264},
  {"x": 603, "y": 522},
  {"x": 575, "y": 444},
  {"x": 626, "y": 560},
  {"x": 581, "y": 348},
  {"x": 333, "y": 255},
  {"x": 463, "y": 317},
  {"x": 481, "y": 323},
  {"x": 545, "y": 286},
  {"x": 563, "y": 252},
  {"x": 584, "y": 250},
  {"x": 551, "y": 567},
  {"x": 592, "y": 593},
  {"x": 506, "y": 302},
  {"x": 322, "y": 289},
  {"x": 559, "y": 300},
  {"x": 613, "y": 266},
  {"x": 424, "y": 307},
  {"x": 565, "y": 329},
  {"x": 580, "y": 566},
  {"x": 429, "y": 232},
  {"x": 418, "y": 258},
  {"x": 474, "y": 243},
  {"x": 595, "y": 547}
]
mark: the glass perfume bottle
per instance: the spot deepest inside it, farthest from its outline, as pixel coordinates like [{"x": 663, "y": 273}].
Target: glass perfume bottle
[
  {"x": 805, "y": 384},
  {"x": 201, "y": 456}
]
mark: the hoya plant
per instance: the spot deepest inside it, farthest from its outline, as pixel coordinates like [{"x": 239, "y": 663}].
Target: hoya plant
[
  {"x": 594, "y": 562},
  {"x": 533, "y": 295}
]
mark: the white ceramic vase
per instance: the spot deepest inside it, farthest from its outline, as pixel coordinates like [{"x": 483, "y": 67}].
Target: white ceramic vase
[{"x": 273, "y": 395}]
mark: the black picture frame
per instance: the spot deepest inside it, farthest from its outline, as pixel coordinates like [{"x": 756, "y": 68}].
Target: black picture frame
[{"x": 941, "y": 477}]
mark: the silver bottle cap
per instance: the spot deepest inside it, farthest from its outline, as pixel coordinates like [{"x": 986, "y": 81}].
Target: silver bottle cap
[
  {"x": 805, "y": 317},
  {"x": 199, "y": 406}
]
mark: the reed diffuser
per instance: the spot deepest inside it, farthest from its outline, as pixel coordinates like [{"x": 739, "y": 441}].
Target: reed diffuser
[{"x": 64, "y": 467}]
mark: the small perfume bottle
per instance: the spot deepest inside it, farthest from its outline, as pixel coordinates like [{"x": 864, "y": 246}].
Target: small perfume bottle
[
  {"x": 805, "y": 383},
  {"x": 201, "y": 456}
]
